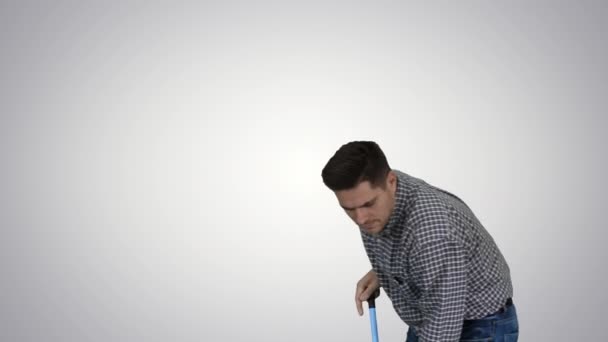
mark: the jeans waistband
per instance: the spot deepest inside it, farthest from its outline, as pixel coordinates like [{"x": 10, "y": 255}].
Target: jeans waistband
[
  {"x": 505, "y": 307},
  {"x": 497, "y": 314}
]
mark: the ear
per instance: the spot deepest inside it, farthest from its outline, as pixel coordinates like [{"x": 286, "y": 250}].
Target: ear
[{"x": 391, "y": 180}]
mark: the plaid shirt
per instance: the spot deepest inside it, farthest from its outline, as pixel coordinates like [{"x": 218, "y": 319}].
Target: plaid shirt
[{"x": 436, "y": 262}]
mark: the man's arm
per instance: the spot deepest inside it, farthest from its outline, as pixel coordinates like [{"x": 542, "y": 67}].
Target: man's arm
[{"x": 439, "y": 270}]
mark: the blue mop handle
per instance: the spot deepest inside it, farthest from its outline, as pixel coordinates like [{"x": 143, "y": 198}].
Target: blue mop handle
[{"x": 372, "y": 314}]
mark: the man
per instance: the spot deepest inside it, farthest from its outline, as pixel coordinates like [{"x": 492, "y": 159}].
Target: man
[{"x": 442, "y": 271}]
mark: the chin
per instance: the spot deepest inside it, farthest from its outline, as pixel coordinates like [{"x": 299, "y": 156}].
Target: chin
[
  {"x": 377, "y": 230},
  {"x": 374, "y": 229}
]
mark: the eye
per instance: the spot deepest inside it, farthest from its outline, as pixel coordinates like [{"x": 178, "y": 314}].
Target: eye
[{"x": 369, "y": 204}]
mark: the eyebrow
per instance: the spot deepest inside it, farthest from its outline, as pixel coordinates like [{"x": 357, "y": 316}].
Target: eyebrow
[{"x": 368, "y": 203}]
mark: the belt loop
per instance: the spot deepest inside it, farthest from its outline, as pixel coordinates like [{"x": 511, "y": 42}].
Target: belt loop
[{"x": 507, "y": 305}]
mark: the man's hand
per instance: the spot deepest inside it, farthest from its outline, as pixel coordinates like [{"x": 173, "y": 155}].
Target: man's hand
[{"x": 365, "y": 287}]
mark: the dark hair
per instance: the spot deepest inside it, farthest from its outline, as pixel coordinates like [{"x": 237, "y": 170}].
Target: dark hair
[{"x": 353, "y": 163}]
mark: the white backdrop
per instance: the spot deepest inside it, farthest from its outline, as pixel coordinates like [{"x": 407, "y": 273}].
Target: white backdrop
[{"x": 161, "y": 163}]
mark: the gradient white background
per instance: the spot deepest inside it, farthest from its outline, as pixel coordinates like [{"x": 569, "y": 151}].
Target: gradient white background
[{"x": 161, "y": 163}]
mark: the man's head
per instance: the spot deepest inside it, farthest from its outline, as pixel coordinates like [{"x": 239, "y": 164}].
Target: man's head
[{"x": 364, "y": 184}]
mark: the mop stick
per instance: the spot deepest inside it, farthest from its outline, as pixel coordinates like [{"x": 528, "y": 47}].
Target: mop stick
[{"x": 372, "y": 314}]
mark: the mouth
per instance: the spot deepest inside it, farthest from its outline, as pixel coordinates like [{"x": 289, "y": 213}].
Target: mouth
[{"x": 369, "y": 226}]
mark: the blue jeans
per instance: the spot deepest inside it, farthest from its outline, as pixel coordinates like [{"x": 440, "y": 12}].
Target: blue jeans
[{"x": 498, "y": 327}]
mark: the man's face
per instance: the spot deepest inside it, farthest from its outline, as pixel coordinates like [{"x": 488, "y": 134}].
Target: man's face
[{"x": 369, "y": 207}]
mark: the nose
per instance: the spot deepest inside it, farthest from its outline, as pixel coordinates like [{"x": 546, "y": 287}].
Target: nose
[{"x": 360, "y": 216}]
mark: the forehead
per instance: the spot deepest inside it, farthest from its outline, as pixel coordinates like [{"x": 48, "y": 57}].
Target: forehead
[{"x": 358, "y": 195}]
